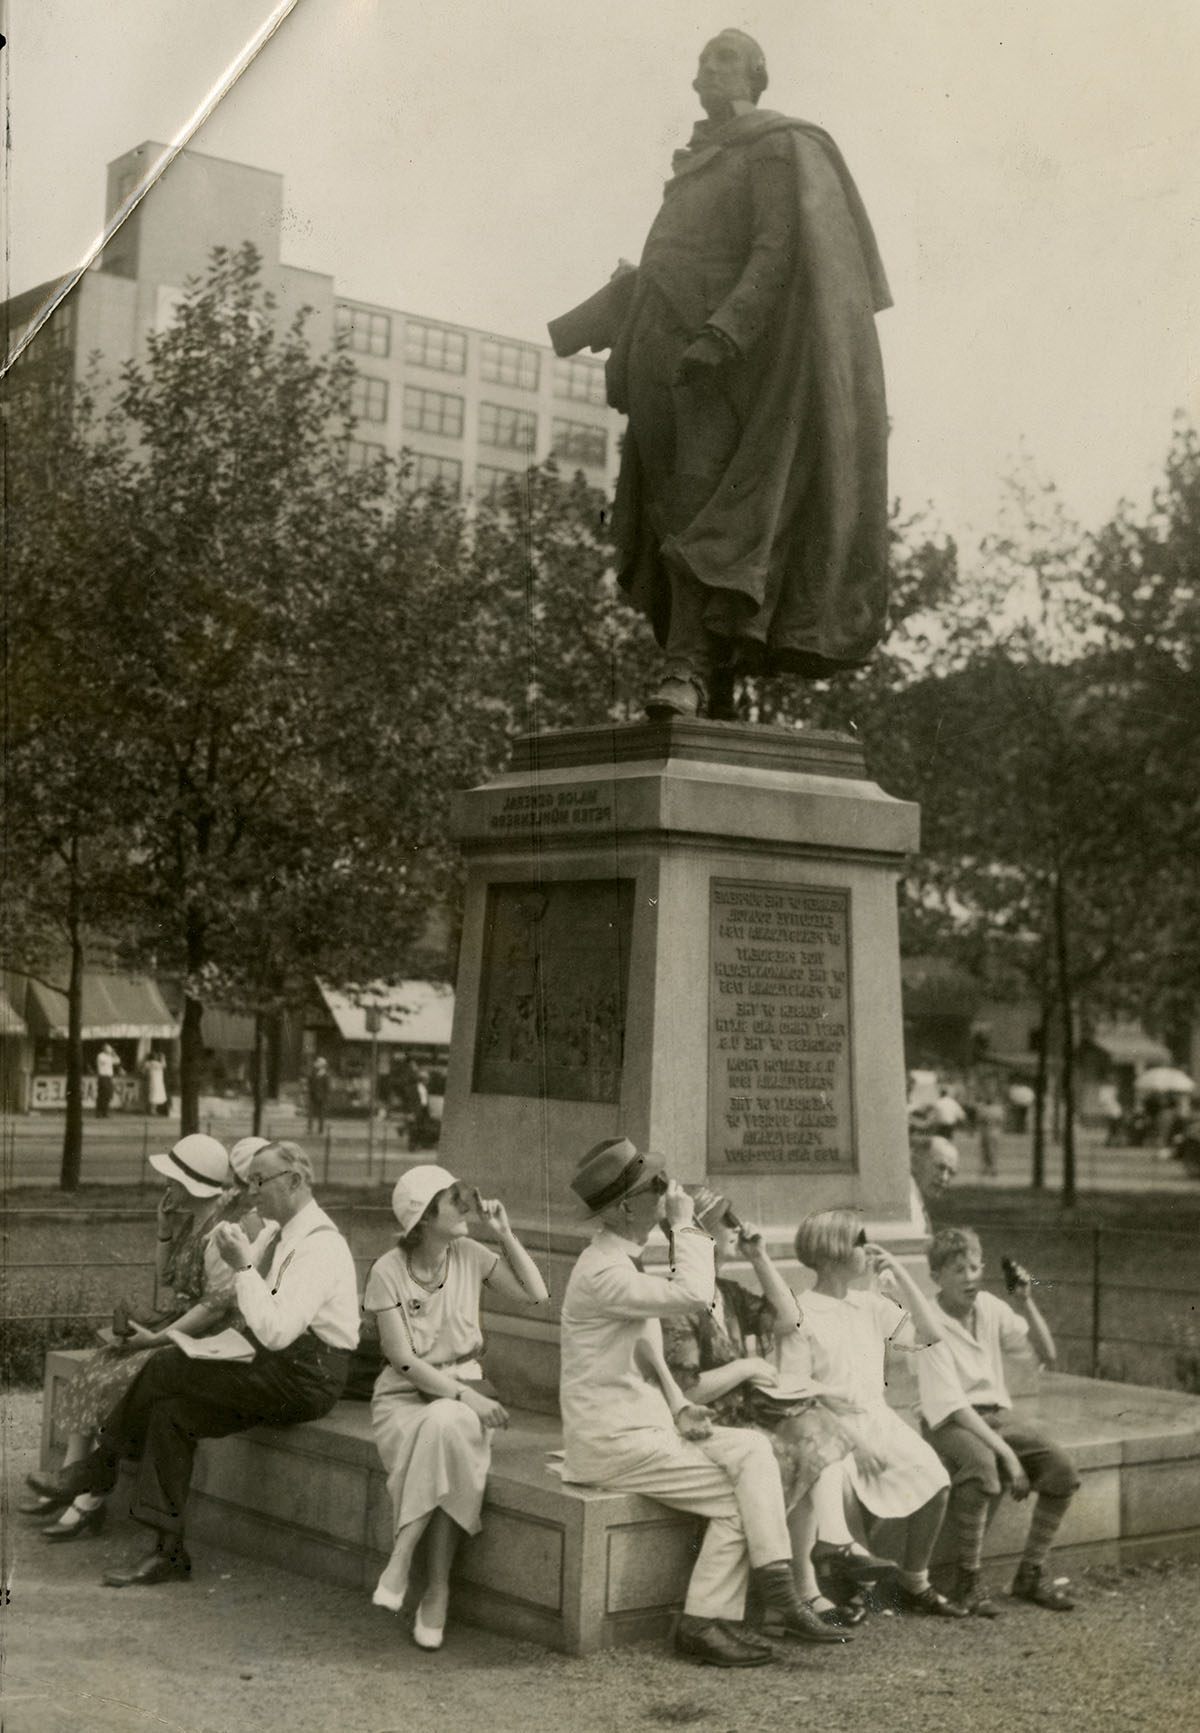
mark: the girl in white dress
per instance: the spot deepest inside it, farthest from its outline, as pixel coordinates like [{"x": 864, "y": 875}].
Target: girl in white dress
[
  {"x": 894, "y": 1474},
  {"x": 432, "y": 1411}
]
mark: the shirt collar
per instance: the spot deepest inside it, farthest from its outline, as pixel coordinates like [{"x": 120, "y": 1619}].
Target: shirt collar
[
  {"x": 303, "y": 1222},
  {"x": 630, "y": 1248}
]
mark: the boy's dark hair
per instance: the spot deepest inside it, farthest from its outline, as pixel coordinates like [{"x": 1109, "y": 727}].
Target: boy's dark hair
[{"x": 951, "y": 1243}]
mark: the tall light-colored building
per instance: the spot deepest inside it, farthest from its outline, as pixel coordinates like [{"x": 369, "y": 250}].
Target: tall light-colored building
[{"x": 471, "y": 406}]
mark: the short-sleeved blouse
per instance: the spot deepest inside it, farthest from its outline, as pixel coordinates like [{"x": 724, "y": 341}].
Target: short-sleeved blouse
[
  {"x": 848, "y": 1338},
  {"x": 441, "y": 1325}
]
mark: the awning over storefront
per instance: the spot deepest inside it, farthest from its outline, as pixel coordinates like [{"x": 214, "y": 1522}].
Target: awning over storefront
[
  {"x": 412, "y": 1013},
  {"x": 10, "y": 1023},
  {"x": 1129, "y": 1044},
  {"x": 115, "y": 1007}
]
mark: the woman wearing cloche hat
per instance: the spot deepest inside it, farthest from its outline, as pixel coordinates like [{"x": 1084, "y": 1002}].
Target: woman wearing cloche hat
[
  {"x": 201, "y": 1190},
  {"x": 433, "y": 1412}
]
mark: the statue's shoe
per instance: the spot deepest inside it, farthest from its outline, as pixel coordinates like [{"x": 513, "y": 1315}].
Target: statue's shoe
[{"x": 675, "y": 696}]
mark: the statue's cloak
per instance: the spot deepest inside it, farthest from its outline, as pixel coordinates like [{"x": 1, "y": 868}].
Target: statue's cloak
[{"x": 793, "y": 542}]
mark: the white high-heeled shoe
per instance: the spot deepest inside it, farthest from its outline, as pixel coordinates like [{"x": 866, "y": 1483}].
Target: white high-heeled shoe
[
  {"x": 427, "y": 1636},
  {"x": 386, "y": 1598}
]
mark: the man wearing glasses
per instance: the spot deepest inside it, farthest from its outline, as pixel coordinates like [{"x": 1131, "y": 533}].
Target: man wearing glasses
[{"x": 297, "y": 1291}]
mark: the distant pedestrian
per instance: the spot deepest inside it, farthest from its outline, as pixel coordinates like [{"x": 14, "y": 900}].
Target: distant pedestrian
[
  {"x": 989, "y": 1117},
  {"x": 108, "y": 1063},
  {"x": 1108, "y": 1104},
  {"x": 1020, "y": 1100},
  {"x": 948, "y": 1112},
  {"x": 154, "y": 1070},
  {"x": 318, "y": 1094}
]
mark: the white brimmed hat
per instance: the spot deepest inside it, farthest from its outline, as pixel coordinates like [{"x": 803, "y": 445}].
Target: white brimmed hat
[
  {"x": 199, "y": 1163},
  {"x": 243, "y": 1153},
  {"x": 415, "y": 1190}
]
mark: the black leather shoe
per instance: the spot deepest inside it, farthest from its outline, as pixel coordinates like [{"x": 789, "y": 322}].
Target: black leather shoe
[
  {"x": 44, "y": 1504},
  {"x": 1028, "y": 1585},
  {"x": 156, "y": 1567},
  {"x": 854, "y": 1567},
  {"x": 74, "y": 1524},
  {"x": 841, "y": 1616},
  {"x": 782, "y": 1609},
  {"x": 714, "y": 1645},
  {"x": 927, "y": 1603},
  {"x": 750, "y": 1639},
  {"x": 63, "y": 1484}
]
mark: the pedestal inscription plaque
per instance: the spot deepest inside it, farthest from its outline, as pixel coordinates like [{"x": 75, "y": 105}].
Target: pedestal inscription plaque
[
  {"x": 780, "y": 1096},
  {"x": 552, "y": 990}
]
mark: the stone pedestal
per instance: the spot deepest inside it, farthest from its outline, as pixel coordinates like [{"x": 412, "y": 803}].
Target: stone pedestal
[{"x": 686, "y": 932}]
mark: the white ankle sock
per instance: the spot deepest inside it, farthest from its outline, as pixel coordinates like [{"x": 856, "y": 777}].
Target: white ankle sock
[{"x": 916, "y": 1582}]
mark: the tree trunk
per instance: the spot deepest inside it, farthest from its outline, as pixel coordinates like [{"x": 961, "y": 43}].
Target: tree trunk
[
  {"x": 1042, "y": 1076},
  {"x": 1067, "y": 1026},
  {"x": 191, "y": 1065},
  {"x": 259, "y": 1064},
  {"x": 72, "y": 1149},
  {"x": 274, "y": 1054},
  {"x": 191, "y": 1037}
]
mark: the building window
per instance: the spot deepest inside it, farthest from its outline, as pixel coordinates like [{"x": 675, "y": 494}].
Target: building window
[
  {"x": 509, "y": 364},
  {"x": 579, "y": 442},
  {"x": 58, "y": 333},
  {"x": 582, "y": 380},
  {"x": 362, "y": 453},
  {"x": 425, "y": 472},
  {"x": 434, "y": 346},
  {"x": 433, "y": 412},
  {"x": 364, "y": 332},
  {"x": 514, "y": 429},
  {"x": 369, "y": 399},
  {"x": 490, "y": 481}
]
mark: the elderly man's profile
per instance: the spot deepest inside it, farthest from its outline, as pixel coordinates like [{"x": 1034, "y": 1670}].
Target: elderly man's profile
[{"x": 751, "y": 509}]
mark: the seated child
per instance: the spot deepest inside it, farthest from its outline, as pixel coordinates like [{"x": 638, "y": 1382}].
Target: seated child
[
  {"x": 969, "y": 1421},
  {"x": 892, "y": 1473}
]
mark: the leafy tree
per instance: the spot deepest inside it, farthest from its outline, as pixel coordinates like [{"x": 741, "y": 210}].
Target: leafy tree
[
  {"x": 572, "y": 650},
  {"x": 295, "y": 653},
  {"x": 68, "y": 773},
  {"x": 1145, "y": 578}
]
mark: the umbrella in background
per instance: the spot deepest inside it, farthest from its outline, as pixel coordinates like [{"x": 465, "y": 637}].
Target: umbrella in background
[{"x": 1163, "y": 1080}]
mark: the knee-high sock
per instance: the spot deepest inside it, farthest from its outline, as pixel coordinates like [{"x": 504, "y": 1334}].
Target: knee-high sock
[
  {"x": 971, "y": 1509},
  {"x": 1048, "y": 1513}
]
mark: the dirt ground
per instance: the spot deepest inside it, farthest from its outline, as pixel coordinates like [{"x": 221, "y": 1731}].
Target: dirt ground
[{"x": 245, "y": 1648}]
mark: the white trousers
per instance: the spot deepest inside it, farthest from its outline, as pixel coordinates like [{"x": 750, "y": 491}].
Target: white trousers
[{"x": 732, "y": 1479}]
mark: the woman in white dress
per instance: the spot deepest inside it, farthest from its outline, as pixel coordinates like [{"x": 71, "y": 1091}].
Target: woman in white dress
[
  {"x": 432, "y": 1411},
  {"x": 894, "y": 1475}
]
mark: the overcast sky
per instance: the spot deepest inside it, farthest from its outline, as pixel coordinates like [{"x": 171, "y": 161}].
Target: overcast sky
[{"x": 1030, "y": 166}]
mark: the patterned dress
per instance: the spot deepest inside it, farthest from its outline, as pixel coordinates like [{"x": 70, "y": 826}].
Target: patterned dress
[
  {"x": 193, "y": 1273},
  {"x": 805, "y": 1436}
]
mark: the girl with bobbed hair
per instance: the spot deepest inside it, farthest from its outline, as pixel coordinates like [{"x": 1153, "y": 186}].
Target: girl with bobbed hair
[
  {"x": 432, "y": 1411},
  {"x": 896, "y": 1477}
]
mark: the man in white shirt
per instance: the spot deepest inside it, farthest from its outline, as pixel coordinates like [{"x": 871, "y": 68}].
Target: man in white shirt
[
  {"x": 302, "y": 1313},
  {"x": 623, "y": 1414},
  {"x": 107, "y": 1066}
]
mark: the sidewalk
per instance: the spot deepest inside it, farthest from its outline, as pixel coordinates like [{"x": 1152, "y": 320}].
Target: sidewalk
[{"x": 244, "y": 1646}]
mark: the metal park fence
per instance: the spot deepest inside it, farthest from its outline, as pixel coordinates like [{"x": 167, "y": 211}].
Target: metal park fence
[{"x": 1122, "y": 1303}]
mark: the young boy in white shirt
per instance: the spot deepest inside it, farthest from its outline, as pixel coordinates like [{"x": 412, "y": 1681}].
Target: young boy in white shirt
[{"x": 968, "y": 1418}]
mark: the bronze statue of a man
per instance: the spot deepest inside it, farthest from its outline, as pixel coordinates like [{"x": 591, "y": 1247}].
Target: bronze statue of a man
[{"x": 751, "y": 509}]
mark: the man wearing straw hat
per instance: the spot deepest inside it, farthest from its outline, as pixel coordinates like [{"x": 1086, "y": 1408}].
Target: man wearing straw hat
[{"x": 622, "y": 1413}]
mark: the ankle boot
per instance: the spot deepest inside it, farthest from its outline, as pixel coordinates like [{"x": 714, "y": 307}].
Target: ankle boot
[
  {"x": 969, "y": 1594},
  {"x": 775, "y": 1588}
]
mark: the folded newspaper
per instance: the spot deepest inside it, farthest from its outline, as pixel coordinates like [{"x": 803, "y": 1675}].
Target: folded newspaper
[{"x": 225, "y": 1345}]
